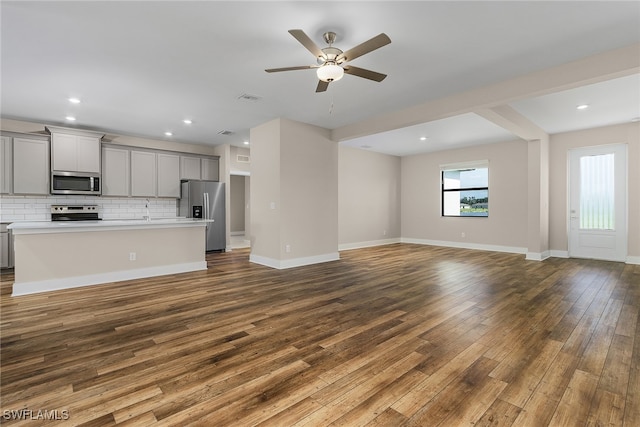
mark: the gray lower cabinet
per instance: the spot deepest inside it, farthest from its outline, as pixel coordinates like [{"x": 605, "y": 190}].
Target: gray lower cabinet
[{"x": 6, "y": 247}]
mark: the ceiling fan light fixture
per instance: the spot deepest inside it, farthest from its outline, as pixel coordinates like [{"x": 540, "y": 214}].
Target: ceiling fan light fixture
[{"x": 330, "y": 73}]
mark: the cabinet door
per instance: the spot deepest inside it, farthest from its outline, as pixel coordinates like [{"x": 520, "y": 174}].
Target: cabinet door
[
  {"x": 63, "y": 152},
  {"x": 168, "y": 175},
  {"x": 30, "y": 166},
  {"x": 210, "y": 169},
  {"x": 4, "y": 250},
  {"x": 88, "y": 154},
  {"x": 189, "y": 167},
  {"x": 6, "y": 163},
  {"x": 143, "y": 173},
  {"x": 116, "y": 172}
]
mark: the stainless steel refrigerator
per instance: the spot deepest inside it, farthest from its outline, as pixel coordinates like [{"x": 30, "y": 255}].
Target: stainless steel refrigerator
[{"x": 205, "y": 199}]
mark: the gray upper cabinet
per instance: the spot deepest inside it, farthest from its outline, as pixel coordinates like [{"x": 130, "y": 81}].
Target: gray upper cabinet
[
  {"x": 6, "y": 162},
  {"x": 74, "y": 150},
  {"x": 30, "y": 166},
  {"x": 189, "y": 167},
  {"x": 116, "y": 172},
  {"x": 204, "y": 168},
  {"x": 210, "y": 169},
  {"x": 168, "y": 175},
  {"x": 143, "y": 174}
]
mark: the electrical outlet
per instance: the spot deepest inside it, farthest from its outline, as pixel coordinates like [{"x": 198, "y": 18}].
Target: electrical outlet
[
  {"x": 132, "y": 256},
  {"x": 287, "y": 248},
  {"x": 384, "y": 232},
  {"x": 463, "y": 234}
]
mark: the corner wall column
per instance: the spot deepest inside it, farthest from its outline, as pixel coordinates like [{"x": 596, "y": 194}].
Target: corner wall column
[{"x": 538, "y": 200}]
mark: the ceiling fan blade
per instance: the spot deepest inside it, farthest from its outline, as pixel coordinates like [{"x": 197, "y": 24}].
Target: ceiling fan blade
[
  {"x": 307, "y": 42},
  {"x": 322, "y": 86},
  {"x": 370, "y": 45},
  {"x": 367, "y": 74},
  {"x": 301, "y": 67}
]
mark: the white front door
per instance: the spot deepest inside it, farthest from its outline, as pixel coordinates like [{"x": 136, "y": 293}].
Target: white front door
[{"x": 598, "y": 202}]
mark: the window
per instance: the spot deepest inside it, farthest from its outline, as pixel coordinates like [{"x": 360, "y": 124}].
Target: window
[
  {"x": 597, "y": 189},
  {"x": 465, "y": 189}
]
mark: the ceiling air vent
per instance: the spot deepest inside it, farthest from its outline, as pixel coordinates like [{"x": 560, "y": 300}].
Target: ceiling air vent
[
  {"x": 225, "y": 132},
  {"x": 242, "y": 159}
]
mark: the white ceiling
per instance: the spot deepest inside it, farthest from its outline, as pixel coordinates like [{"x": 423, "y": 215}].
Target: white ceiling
[{"x": 140, "y": 68}]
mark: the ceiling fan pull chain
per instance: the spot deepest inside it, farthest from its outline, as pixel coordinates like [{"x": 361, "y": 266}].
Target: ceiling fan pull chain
[{"x": 331, "y": 107}]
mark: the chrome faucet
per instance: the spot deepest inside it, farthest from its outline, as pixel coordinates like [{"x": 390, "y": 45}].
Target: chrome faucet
[{"x": 148, "y": 216}]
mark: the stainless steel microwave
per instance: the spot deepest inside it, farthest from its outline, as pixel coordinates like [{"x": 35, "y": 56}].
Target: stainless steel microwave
[{"x": 86, "y": 183}]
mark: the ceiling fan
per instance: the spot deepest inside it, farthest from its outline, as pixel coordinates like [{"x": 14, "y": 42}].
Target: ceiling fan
[{"x": 332, "y": 61}]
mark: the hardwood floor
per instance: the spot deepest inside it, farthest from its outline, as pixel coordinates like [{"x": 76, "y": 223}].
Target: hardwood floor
[{"x": 398, "y": 335}]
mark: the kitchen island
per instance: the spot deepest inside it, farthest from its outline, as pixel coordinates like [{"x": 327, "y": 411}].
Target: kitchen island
[{"x": 59, "y": 255}]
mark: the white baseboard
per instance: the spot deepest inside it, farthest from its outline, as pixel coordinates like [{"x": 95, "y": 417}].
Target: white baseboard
[
  {"x": 558, "y": 254},
  {"x": 295, "y": 262},
  {"x": 538, "y": 256},
  {"x": 369, "y": 244},
  {"x": 478, "y": 246},
  {"x": 27, "y": 288},
  {"x": 633, "y": 260}
]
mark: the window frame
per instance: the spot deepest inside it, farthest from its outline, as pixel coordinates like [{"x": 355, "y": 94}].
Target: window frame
[{"x": 480, "y": 164}]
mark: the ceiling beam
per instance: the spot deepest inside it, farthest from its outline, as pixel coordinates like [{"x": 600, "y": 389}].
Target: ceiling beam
[
  {"x": 592, "y": 69},
  {"x": 511, "y": 120}
]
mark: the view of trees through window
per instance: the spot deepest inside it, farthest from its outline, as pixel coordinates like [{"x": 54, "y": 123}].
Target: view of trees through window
[{"x": 465, "y": 192}]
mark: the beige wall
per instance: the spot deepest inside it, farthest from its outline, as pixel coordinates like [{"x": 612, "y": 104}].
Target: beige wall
[
  {"x": 265, "y": 190},
  {"x": 294, "y": 194},
  {"x": 237, "y": 196},
  {"x": 236, "y": 166},
  {"x": 506, "y": 225},
  {"x": 560, "y": 144},
  {"x": 368, "y": 197},
  {"x": 309, "y": 190}
]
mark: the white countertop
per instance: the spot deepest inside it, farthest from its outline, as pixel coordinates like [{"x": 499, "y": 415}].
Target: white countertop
[{"x": 42, "y": 227}]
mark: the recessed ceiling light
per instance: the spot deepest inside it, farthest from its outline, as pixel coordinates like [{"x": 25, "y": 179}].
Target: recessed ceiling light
[
  {"x": 70, "y": 118},
  {"x": 187, "y": 121},
  {"x": 582, "y": 106},
  {"x": 168, "y": 134},
  {"x": 246, "y": 143},
  {"x": 74, "y": 100},
  {"x": 423, "y": 138}
]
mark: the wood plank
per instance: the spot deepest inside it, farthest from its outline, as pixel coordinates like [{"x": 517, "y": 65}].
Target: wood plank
[
  {"x": 500, "y": 414},
  {"x": 574, "y": 405},
  {"x": 398, "y": 334}
]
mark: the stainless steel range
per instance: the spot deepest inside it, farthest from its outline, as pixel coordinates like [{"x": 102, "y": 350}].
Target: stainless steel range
[{"x": 74, "y": 213}]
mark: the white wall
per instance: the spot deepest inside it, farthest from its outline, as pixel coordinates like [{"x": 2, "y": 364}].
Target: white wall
[
  {"x": 368, "y": 198},
  {"x": 504, "y": 229}
]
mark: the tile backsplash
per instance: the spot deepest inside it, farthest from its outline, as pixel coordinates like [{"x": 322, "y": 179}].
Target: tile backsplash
[{"x": 38, "y": 208}]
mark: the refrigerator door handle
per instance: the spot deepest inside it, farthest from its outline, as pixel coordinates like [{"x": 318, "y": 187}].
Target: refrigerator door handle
[{"x": 206, "y": 207}]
